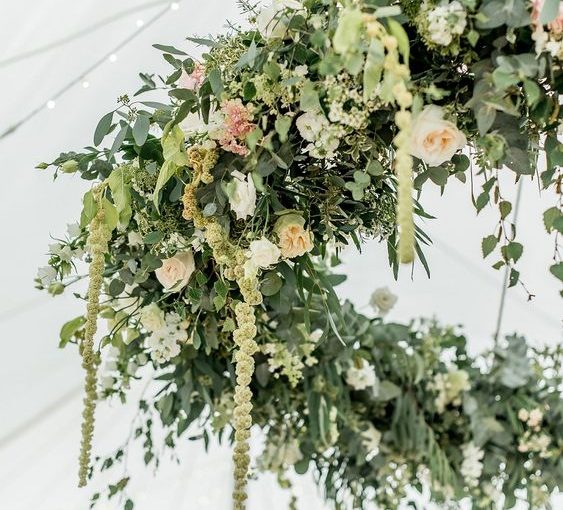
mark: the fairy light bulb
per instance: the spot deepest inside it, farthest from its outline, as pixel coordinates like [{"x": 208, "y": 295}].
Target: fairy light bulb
[
  {"x": 51, "y": 104},
  {"x": 174, "y": 6},
  {"x": 112, "y": 58}
]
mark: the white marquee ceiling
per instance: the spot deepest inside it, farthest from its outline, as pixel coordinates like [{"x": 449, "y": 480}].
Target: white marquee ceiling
[{"x": 40, "y": 385}]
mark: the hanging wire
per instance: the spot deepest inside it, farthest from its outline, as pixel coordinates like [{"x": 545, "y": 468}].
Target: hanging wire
[
  {"x": 78, "y": 35},
  {"x": 507, "y": 269},
  {"x": 14, "y": 127}
]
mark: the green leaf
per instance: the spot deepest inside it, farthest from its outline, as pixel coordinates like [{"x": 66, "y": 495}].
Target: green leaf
[
  {"x": 373, "y": 67},
  {"x": 402, "y": 38},
  {"x": 282, "y": 126},
  {"x": 69, "y": 329},
  {"x": 128, "y": 505},
  {"x": 121, "y": 194},
  {"x": 173, "y": 146},
  {"x": 375, "y": 168},
  {"x": 271, "y": 284},
  {"x": 103, "y": 128},
  {"x": 348, "y": 32},
  {"x": 309, "y": 100},
  {"x": 485, "y": 117},
  {"x": 557, "y": 270},
  {"x": 505, "y": 208},
  {"x": 141, "y": 129},
  {"x": 169, "y": 49},
  {"x": 512, "y": 251},
  {"x": 167, "y": 171},
  {"x": 116, "y": 287},
  {"x": 216, "y": 82},
  {"x": 488, "y": 245},
  {"x": 387, "y": 391},
  {"x": 153, "y": 237},
  {"x": 549, "y": 11},
  {"x": 549, "y": 218},
  {"x": 513, "y": 277},
  {"x": 111, "y": 217},
  {"x": 118, "y": 140},
  {"x": 89, "y": 209}
]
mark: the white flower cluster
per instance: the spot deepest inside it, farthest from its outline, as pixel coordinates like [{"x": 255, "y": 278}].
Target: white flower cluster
[
  {"x": 291, "y": 364},
  {"x": 472, "y": 467},
  {"x": 167, "y": 332},
  {"x": 323, "y": 137},
  {"x": 446, "y": 21},
  {"x": 362, "y": 377},
  {"x": 371, "y": 439},
  {"x": 382, "y": 301},
  {"x": 449, "y": 387},
  {"x": 532, "y": 440}
]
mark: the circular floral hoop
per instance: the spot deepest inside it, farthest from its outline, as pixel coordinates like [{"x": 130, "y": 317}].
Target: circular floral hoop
[{"x": 218, "y": 214}]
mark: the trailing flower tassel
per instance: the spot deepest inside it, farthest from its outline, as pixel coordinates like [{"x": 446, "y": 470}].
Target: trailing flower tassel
[
  {"x": 98, "y": 241},
  {"x": 232, "y": 259},
  {"x": 247, "y": 346}
]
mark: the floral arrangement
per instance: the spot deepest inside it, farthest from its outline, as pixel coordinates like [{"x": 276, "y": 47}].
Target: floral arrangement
[{"x": 214, "y": 219}]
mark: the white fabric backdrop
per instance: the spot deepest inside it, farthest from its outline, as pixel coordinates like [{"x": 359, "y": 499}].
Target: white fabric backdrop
[{"x": 40, "y": 385}]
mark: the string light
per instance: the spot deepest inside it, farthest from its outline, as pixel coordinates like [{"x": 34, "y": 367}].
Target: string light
[{"x": 112, "y": 57}]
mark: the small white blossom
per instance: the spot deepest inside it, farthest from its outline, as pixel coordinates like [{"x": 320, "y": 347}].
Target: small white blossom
[
  {"x": 445, "y": 21},
  {"x": 472, "y": 467},
  {"x": 371, "y": 439},
  {"x": 46, "y": 275},
  {"x": 363, "y": 377},
  {"x": 73, "y": 230},
  {"x": 134, "y": 239}
]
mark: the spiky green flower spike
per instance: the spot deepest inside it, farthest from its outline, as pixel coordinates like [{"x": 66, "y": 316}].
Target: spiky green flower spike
[{"x": 98, "y": 242}]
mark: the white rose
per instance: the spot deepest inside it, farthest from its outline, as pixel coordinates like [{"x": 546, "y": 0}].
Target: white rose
[
  {"x": 433, "y": 139},
  {"x": 176, "y": 271},
  {"x": 242, "y": 195},
  {"x": 263, "y": 253},
  {"x": 269, "y": 22},
  {"x": 152, "y": 317},
  {"x": 383, "y": 300}
]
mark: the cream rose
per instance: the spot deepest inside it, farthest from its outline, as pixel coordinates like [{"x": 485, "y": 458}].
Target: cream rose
[
  {"x": 435, "y": 140},
  {"x": 176, "y": 271},
  {"x": 383, "y": 300},
  {"x": 294, "y": 239},
  {"x": 242, "y": 195}
]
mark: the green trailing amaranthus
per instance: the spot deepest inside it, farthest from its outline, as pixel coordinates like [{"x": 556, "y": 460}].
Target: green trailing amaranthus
[
  {"x": 98, "y": 241},
  {"x": 232, "y": 259},
  {"x": 247, "y": 346}
]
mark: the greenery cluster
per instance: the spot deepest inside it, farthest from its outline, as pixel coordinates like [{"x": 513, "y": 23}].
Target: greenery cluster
[{"x": 225, "y": 208}]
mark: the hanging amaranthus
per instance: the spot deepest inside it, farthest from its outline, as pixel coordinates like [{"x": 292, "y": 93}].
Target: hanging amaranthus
[
  {"x": 232, "y": 259},
  {"x": 395, "y": 89},
  {"x": 98, "y": 241}
]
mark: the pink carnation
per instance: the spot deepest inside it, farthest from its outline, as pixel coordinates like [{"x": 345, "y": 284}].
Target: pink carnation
[
  {"x": 237, "y": 124},
  {"x": 193, "y": 80}
]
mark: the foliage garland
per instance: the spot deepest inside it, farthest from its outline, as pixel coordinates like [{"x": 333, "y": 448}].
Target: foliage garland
[{"x": 222, "y": 207}]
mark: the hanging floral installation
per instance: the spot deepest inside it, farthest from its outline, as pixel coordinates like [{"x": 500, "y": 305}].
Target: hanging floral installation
[{"x": 215, "y": 221}]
